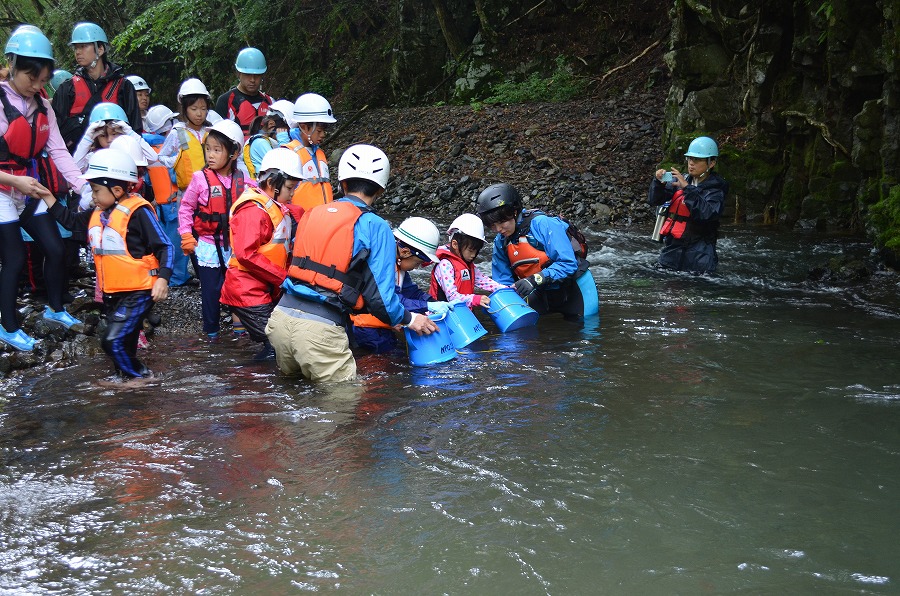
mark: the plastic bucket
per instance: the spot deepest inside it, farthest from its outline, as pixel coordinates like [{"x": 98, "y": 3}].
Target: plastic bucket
[
  {"x": 463, "y": 325},
  {"x": 430, "y": 349},
  {"x": 509, "y": 311}
]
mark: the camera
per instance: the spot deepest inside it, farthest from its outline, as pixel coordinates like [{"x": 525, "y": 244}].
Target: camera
[{"x": 666, "y": 177}]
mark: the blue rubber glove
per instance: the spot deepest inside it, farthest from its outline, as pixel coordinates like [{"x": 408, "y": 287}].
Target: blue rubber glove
[
  {"x": 524, "y": 287},
  {"x": 439, "y": 308}
]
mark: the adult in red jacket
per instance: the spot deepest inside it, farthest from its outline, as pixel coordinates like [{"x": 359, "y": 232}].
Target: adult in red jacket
[
  {"x": 261, "y": 229},
  {"x": 246, "y": 101},
  {"x": 96, "y": 80}
]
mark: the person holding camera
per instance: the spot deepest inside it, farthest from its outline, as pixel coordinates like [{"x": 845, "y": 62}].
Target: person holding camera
[{"x": 695, "y": 204}]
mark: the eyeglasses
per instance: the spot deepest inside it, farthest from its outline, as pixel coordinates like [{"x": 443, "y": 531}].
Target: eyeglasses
[{"x": 418, "y": 254}]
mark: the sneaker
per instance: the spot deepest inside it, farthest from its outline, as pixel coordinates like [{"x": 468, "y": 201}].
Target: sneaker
[
  {"x": 142, "y": 341},
  {"x": 18, "y": 340},
  {"x": 61, "y": 317},
  {"x": 213, "y": 336}
]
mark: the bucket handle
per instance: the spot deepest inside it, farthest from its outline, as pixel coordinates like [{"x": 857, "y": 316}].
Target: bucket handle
[{"x": 493, "y": 312}]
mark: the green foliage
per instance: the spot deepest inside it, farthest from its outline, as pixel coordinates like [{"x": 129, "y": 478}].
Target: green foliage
[
  {"x": 884, "y": 216},
  {"x": 561, "y": 85}
]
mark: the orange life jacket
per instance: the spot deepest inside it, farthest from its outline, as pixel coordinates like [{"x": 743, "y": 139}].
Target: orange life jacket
[
  {"x": 212, "y": 219},
  {"x": 315, "y": 187},
  {"x": 190, "y": 157},
  {"x": 677, "y": 217},
  {"x": 276, "y": 249},
  {"x": 323, "y": 250},
  {"x": 164, "y": 190},
  {"x": 117, "y": 270},
  {"x": 243, "y": 110},
  {"x": 85, "y": 100},
  {"x": 463, "y": 275},
  {"x": 23, "y": 140}
]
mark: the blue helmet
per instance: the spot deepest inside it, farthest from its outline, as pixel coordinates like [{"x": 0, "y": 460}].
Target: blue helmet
[
  {"x": 88, "y": 33},
  {"x": 702, "y": 147},
  {"x": 59, "y": 76},
  {"x": 250, "y": 61},
  {"x": 28, "y": 41},
  {"x": 107, "y": 111}
]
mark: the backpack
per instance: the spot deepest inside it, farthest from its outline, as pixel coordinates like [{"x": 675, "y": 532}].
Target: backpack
[{"x": 576, "y": 236}]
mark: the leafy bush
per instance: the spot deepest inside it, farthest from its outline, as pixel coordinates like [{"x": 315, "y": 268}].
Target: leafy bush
[
  {"x": 561, "y": 85},
  {"x": 885, "y": 217}
]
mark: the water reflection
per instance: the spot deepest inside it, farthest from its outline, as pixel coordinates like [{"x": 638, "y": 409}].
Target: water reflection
[{"x": 701, "y": 435}]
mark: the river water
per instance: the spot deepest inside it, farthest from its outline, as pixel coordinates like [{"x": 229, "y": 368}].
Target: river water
[{"x": 700, "y": 436}]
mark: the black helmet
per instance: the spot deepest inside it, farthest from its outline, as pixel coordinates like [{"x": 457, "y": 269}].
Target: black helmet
[{"x": 498, "y": 195}]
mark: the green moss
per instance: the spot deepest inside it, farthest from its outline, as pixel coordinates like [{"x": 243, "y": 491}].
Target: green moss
[{"x": 884, "y": 217}]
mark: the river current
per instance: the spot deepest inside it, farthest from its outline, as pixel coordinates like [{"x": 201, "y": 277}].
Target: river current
[{"x": 702, "y": 435}]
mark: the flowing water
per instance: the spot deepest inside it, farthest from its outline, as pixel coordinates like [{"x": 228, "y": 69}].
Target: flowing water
[{"x": 701, "y": 436}]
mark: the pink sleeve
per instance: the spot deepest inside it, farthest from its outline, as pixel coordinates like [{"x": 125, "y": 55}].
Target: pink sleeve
[
  {"x": 483, "y": 282},
  {"x": 56, "y": 148},
  {"x": 443, "y": 273},
  {"x": 189, "y": 202}
]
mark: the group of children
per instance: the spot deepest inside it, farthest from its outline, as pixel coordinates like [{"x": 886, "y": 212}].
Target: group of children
[{"x": 227, "y": 192}]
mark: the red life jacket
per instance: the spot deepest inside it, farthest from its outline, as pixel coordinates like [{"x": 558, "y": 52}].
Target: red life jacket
[
  {"x": 243, "y": 110},
  {"x": 22, "y": 140},
  {"x": 323, "y": 251},
  {"x": 212, "y": 219},
  {"x": 677, "y": 218},
  {"x": 85, "y": 100},
  {"x": 463, "y": 275}
]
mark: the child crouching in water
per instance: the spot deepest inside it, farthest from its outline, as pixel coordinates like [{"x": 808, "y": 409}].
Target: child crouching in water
[
  {"x": 132, "y": 255},
  {"x": 455, "y": 277},
  {"x": 417, "y": 239}
]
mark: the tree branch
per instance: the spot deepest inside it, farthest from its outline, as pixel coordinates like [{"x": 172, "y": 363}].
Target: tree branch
[
  {"x": 630, "y": 62},
  {"x": 823, "y": 128}
]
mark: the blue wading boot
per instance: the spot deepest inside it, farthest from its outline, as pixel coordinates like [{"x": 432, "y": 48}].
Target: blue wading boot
[
  {"x": 62, "y": 317},
  {"x": 17, "y": 339}
]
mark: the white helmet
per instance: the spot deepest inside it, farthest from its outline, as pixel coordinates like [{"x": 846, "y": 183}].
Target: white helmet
[
  {"x": 160, "y": 119},
  {"x": 139, "y": 83},
  {"x": 421, "y": 234},
  {"x": 312, "y": 107},
  {"x": 366, "y": 162},
  {"x": 280, "y": 159},
  {"x": 231, "y": 130},
  {"x": 284, "y": 109},
  {"x": 468, "y": 224},
  {"x": 130, "y": 146},
  {"x": 111, "y": 164},
  {"x": 213, "y": 117},
  {"x": 192, "y": 87}
]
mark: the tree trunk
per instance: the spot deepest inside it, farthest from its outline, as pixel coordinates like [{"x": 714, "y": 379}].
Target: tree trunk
[{"x": 455, "y": 43}]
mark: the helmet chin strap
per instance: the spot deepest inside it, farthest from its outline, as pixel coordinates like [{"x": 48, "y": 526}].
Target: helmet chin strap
[{"x": 96, "y": 56}]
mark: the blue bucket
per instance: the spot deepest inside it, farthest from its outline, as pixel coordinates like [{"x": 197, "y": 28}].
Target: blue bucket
[
  {"x": 430, "y": 349},
  {"x": 509, "y": 311},
  {"x": 463, "y": 325}
]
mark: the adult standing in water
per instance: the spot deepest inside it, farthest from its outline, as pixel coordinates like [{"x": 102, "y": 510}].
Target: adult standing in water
[
  {"x": 535, "y": 253},
  {"x": 28, "y": 130},
  {"x": 696, "y": 202},
  {"x": 95, "y": 80},
  {"x": 343, "y": 261},
  {"x": 246, "y": 101}
]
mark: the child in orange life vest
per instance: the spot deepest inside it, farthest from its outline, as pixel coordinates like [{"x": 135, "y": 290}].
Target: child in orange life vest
[
  {"x": 203, "y": 215},
  {"x": 261, "y": 225},
  {"x": 132, "y": 255},
  {"x": 313, "y": 116},
  {"x": 455, "y": 277},
  {"x": 417, "y": 239}
]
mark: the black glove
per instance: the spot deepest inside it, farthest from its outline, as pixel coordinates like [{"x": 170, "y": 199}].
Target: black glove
[{"x": 524, "y": 287}]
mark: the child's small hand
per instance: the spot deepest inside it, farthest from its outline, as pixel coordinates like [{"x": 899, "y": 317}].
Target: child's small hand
[
  {"x": 188, "y": 243},
  {"x": 32, "y": 188},
  {"x": 160, "y": 290},
  {"x": 485, "y": 302},
  {"x": 95, "y": 129}
]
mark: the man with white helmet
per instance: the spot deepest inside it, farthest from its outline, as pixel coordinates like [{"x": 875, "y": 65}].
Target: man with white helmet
[
  {"x": 246, "y": 101},
  {"x": 313, "y": 116},
  {"x": 342, "y": 262},
  {"x": 142, "y": 92},
  {"x": 417, "y": 241},
  {"x": 261, "y": 223},
  {"x": 95, "y": 80}
]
